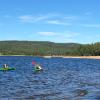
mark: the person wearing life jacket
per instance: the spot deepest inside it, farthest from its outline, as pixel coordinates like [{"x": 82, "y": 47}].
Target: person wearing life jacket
[
  {"x": 5, "y": 66},
  {"x": 37, "y": 66}
]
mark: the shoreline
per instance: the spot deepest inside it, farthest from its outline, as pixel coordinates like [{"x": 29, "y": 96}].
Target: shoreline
[{"x": 83, "y": 57}]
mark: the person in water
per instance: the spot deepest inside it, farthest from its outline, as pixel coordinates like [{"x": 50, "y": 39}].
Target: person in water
[
  {"x": 37, "y": 66},
  {"x": 5, "y": 66}
]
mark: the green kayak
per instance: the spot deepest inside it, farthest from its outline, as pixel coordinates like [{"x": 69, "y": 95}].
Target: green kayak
[{"x": 6, "y": 69}]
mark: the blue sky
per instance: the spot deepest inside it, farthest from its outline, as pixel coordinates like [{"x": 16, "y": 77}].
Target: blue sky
[{"x": 62, "y": 21}]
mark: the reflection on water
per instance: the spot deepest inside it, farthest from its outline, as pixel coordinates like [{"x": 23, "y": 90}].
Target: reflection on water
[{"x": 62, "y": 79}]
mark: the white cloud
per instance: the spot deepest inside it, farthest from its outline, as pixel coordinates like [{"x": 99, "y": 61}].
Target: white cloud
[
  {"x": 57, "y": 19},
  {"x": 62, "y": 20},
  {"x": 57, "y": 22},
  {"x": 59, "y": 36},
  {"x": 32, "y": 19},
  {"x": 47, "y": 33},
  {"x": 26, "y": 18}
]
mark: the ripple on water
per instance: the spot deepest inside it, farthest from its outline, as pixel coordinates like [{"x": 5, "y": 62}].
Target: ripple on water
[{"x": 62, "y": 79}]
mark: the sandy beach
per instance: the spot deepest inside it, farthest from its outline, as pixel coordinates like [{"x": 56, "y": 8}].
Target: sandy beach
[{"x": 86, "y": 57}]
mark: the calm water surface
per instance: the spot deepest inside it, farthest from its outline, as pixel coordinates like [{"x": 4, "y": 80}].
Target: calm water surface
[{"x": 62, "y": 79}]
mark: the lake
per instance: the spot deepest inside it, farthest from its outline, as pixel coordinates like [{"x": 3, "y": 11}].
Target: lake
[{"x": 61, "y": 79}]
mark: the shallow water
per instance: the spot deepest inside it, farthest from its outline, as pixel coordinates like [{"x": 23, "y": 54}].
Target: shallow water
[{"x": 61, "y": 79}]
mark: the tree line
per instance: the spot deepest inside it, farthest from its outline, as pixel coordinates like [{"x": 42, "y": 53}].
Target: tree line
[
  {"x": 40, "y": 48},
  {"x": 89, "y": 49}
]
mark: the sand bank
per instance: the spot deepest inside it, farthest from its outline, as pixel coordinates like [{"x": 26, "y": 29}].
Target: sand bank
[{"x": 86, "y": 57}]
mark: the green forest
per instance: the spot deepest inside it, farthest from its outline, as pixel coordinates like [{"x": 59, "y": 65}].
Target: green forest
[{"x": 45, "y": 48}]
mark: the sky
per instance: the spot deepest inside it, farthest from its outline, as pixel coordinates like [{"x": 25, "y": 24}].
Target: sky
[{"x": 60, "y": 21}]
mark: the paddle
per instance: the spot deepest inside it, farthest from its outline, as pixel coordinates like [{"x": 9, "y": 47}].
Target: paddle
[{"x": 33, "y": 62}]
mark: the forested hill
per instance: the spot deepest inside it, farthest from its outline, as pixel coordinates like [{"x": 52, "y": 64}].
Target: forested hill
[
  {"x": 36, "y": 48},
  {"x": 45, "y": 48}
]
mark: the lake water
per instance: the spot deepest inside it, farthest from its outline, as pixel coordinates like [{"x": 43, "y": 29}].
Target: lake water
[{"x": 61, "y": 79}]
